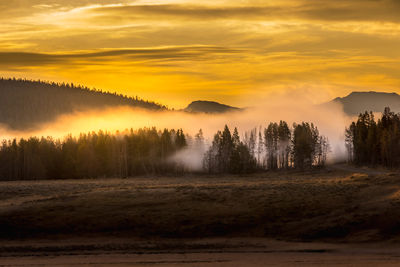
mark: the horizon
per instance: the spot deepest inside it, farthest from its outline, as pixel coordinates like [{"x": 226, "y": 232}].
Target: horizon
[{"x": 84, "y": 87}]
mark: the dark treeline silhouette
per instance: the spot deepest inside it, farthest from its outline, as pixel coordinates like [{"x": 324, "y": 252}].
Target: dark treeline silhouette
[
  {"x": 25, "y": 103},
  {"x": 374, "y": 143},
  {"x": 92, "y": 155},
  {"x": 148, "y": 152},
  {"x": 228, "y": 154},
  {"x": 272, "y": 148}
]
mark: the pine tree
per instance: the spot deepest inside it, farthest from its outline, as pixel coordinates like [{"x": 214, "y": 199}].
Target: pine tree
[
  {"x": 271, "y": 145},
  {"x": 284, "y": 136},
  {"x": 260, "y": 148}
]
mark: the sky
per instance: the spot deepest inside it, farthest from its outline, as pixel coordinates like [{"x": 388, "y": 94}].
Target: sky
[{"x": 239, "y": 52}]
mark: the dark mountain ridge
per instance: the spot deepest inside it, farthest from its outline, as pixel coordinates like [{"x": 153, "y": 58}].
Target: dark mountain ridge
[
  {"x": 202, "y": 106},
  {"x": 24, "y": 103},
  {"x": 358, "y": 102}
]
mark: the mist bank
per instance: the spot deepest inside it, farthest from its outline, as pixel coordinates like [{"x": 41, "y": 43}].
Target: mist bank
[{"x": 330, "y": 120}]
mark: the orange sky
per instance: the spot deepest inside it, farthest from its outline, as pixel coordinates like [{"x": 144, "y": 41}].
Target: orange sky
[{"x": 174, "y": 51}]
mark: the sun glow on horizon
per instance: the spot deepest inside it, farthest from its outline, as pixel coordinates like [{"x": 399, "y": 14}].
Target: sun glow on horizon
[{"x": 236, "y": 52}]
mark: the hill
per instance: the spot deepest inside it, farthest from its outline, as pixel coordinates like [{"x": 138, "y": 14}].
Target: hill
[
  {"x": 358, "y": 102},
  {"x": 24, "y": 104},
  {"x": 209, "y": 107}
]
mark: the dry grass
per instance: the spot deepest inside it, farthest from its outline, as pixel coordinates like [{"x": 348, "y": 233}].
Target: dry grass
[{"x": 320, "y": 205}]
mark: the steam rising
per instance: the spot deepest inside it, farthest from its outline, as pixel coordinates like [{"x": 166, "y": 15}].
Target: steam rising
[
  {"x": 330, "y": 120},
  {"x": 191, "y": 157}
]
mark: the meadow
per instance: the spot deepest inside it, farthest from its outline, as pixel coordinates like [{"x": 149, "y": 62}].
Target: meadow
[
  {"x": 336, "y": 216},
  {"x": 338, "y": 205}
]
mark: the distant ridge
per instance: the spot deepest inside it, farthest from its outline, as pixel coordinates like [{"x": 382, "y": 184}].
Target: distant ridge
[
  {"x": 358, "y": 102},
  {"x": 202, "y": 106},
  {"x": 24, "y": 103}
]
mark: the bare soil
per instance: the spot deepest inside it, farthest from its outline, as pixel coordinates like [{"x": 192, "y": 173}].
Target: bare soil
[{"x": 199, "y": 252}]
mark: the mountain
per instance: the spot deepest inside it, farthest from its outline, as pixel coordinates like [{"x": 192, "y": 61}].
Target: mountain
[
  {"x": 24, "y": 104},
  {"x": 358, "y": 102},
  {"x": 209, "y": 107}
]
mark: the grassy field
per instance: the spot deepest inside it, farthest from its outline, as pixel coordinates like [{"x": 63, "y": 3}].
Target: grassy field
[{"x": 328, "y": 205}]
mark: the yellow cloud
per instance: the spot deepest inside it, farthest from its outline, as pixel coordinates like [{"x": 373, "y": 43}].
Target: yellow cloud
[{"x": 177, "y": 51}]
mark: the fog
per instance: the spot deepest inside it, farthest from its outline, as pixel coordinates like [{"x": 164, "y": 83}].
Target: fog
[{"x": 330, "y": 120}]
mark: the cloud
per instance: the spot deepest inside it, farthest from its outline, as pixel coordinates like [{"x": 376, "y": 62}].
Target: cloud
[
  {"x": 373, "y": 10},
  {"x": 185, "y": 12},
  {"x": 175, "y": 51},
  {"x": 330, "y": 120},
  {"x": 191, "y": 53},
  {"x": 370, "y": 10},
  {"x": 17, "y": 9}
]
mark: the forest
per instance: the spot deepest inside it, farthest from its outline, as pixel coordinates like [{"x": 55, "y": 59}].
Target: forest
[
  {"x": 370, "y": 142},
  {"x": 91, "y": 155},
  {"x": 149, "y": 151},
  {"x": 276, "y": 147},
  {"x": 25, "y": 104}
]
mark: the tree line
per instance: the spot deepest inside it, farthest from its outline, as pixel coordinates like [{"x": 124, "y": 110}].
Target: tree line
[
  {"x": 275, "y": 147},
  {"x": 371, "y": 142},
  {"x": 92, "y": 155},
  {"x": 26, "y": 103},
  {"x": 148, "y": 152}
]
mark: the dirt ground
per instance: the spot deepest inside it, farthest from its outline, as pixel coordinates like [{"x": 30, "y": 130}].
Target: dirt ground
[
  {"x": 345, "y": 216},
  {"x": 209, "y": 252}
]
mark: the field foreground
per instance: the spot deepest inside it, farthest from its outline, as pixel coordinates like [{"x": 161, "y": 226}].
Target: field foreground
[
  {"x": 164, "y": 218},
  {"x": 205, "y": 252}
]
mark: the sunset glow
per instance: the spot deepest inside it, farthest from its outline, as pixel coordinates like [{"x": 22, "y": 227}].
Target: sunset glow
[{"x": 175, "y": 51}]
